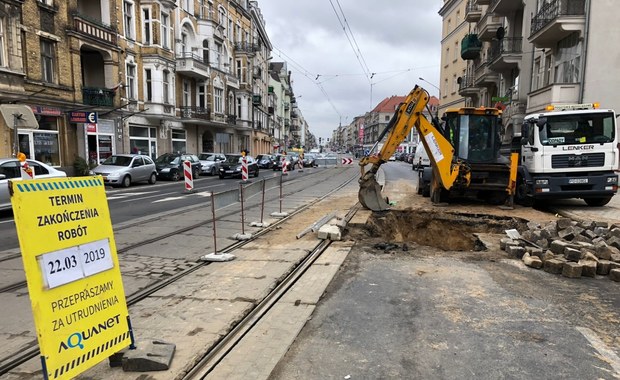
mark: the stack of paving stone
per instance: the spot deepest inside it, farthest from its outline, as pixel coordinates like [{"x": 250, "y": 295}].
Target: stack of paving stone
[{"x": 570, "y": 248}]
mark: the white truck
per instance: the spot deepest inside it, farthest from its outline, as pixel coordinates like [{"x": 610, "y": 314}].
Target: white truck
[{"x": 569, "y": 151}]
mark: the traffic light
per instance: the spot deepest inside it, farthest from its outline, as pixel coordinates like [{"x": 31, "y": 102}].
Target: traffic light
[{"x": 320, "y": 140}]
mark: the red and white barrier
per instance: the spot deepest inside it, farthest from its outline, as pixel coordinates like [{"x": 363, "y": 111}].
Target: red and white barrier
[
  {"x": 285, "y": 168},
  {"x": 244, "y": 168},
  {"x": 189, "y": 177}
]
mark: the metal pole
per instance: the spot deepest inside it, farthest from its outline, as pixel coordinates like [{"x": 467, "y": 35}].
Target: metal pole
[
  {"x": 15, "y": 135},
  {"x": 280, "y": 193},
  {"x": 242, "y": 214},
  {"x": 262, "y": 206},
  {"x": 213, "y": 221}
]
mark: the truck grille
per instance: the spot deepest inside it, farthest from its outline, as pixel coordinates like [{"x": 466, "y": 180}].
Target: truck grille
[{"x": 561, "y": 161}]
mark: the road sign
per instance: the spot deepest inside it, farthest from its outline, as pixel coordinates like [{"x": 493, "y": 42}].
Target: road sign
[
  {"x": 347, "y": 161},
  {"x": 72, "y": 270}
]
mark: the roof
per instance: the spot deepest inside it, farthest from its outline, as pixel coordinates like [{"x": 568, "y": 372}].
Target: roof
[{"x": 390, "y": 104}]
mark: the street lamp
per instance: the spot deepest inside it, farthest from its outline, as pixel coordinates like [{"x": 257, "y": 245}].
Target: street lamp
[{"x": 424, "y": 80}]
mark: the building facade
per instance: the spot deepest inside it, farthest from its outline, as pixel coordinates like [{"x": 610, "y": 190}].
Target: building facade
[
  {"x": 128, "y": 76},
  {"x": 521, "y": 56}
]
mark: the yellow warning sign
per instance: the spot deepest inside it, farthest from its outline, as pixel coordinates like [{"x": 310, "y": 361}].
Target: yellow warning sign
[{"x": 75, "y": 285}]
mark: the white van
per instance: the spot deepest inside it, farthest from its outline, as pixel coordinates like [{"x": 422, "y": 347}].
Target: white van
[{"x": 422, "y": 165}]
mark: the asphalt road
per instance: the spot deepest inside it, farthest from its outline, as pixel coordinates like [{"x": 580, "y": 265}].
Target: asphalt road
[{"x": 432, "y": 314}]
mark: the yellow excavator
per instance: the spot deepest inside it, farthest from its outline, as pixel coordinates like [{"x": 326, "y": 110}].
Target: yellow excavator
[{"x": 464, "y": 153}]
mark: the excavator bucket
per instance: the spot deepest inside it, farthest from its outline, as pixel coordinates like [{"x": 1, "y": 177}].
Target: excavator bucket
[{"x": 370, "y": 195}]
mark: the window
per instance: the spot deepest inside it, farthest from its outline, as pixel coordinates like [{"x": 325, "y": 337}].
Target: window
[
  {"x": 149, "y": 84},
  {"x": 165, "y": 30},
  {"x": 183, "y": 46},
  {"x": 205, "y": 51},
  {"x": 218, "y": 94},
  {"x": 447, "y": 56},
  {"x": 42, "y": 144},
  {"x": 185, "y": 5},
  {"x": 49, "y": 3},
  {"x": 455, "y": 84},
  {"x": 547, "y": 73},
  {"x": 147, "y": 22},
  {"x": 239, "y": 70},
  {"x": 131, "y": 80},
  {"x": 128, "y": 20},
  {"x": 48, "y": 59},
  {"x": 456, "y": 52},
  {"x": 218, "y": 55},
  {"x": 239, "y": 107},
  {"x": 166, "y": 86},
  {"x": 186, "y": 93},
  {"x": 179, "y": 140},
  {"x": 568, "y": 60},
  {"x": 202, "y": 98},
  {"x": 3, "y": 56}
]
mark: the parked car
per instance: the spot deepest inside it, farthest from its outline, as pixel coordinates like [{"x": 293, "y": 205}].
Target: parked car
[
  {"x": 265, "y": 161},
  {"x": 309, "y": 160},
  {"x": 170, "y": 165},
  {"x": 278, "y": 162},
  {"x": 125, "y": 169},
  {"x": 10, "y": 170},
  {"x": 210, "y": 163},
  {"x": 232, "y": 166}
]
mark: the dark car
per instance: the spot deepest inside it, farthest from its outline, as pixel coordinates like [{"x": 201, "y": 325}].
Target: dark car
[
  {"x": 232, "y": 166},
  {"x": 279, "y": 161},
  {"x": 309, "y": 160},
  {"x": 265, "y": 161},
  {"x": 170, "y": 165}
]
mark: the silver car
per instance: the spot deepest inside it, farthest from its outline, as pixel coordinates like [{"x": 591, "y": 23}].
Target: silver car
[
  {"x": 125, "y": 169},
  {"x": 210, "y": 162},
  {"x": 10, "y": 170}
]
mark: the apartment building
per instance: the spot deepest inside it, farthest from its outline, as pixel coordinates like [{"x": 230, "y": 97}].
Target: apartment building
[
  {"x": 150, "y": 76},
  {"x": 521, "y": 56}
]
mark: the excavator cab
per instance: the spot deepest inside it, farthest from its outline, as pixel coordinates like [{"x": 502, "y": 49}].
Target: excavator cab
[{"x": 475, "y": 133}]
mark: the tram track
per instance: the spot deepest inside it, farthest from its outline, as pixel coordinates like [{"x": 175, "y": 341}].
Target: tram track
[
  {"x": 31, "y": 349},
  {"x": 227, "y": 343},
  {"x": 22, "y": 284}
]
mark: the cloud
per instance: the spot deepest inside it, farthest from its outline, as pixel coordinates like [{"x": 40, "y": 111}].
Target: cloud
[{"x": 398, "y": 40}]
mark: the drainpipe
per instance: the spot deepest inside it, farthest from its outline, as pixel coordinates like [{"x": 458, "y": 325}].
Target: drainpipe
[{"x": 585, "y": 51}]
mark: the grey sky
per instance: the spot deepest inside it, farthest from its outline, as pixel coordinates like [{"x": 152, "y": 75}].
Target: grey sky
[{"x": 399, "y": 41}]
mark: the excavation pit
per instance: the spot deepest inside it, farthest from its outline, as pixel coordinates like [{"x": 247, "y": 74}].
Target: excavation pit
[{"x": 442, "y": 230}]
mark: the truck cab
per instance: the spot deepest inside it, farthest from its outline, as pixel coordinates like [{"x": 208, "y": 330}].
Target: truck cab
[{"x": 569, "y": 151}]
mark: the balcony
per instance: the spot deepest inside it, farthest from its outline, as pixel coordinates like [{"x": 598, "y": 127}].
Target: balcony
[
  {"x": 470, "y": 47},
  {"x": 505, "y": 54},
  {"x": 192, "y": 65},
  {"x": 485, "y": 77},
  {"x": 473, "y": 11},
  {"x": 515, "y": 112},
  {"x": 94, "y": 30},
  {"x": 201, "y": 113},
  {"x": 488, "y": 25},
  {"x": 553, "y": 94},
  {"x": 556, "y": 20},
  {"x": 467, "y": 87},
  {"x": 286, "y": 106},
  {"x": 246, "y": 47},
  {"x": 505, "y": 8},
  {"x": 231, "y": 119},
  {"x": 232, "y": 81},
  {"x": 94, "y": 96}
]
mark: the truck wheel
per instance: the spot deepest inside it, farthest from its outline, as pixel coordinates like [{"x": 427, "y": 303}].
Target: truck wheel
[
  {"x": 597, "y": 202},
  {"x": 521, "y": 196}
]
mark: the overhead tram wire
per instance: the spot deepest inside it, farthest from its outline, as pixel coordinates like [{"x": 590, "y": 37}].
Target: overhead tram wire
[{"x": 357, "y": 52}]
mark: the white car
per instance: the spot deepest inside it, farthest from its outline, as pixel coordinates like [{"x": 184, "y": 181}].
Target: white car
[
  {"x": 210, "y": 163},
  {"x": 10, "y": 168},
  {"x": 392, "y": 158}
]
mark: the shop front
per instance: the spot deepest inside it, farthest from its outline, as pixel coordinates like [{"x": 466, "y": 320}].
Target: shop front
[
  {"x": 43, "y": 143},
  {"x": 100, "y": 138}
]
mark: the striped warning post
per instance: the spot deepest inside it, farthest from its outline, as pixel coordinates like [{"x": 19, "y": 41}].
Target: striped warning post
[
  {"x": 244, "y": 168},
  {"x": 189, "y": 178},
  {"x": 285, "y": 167}
]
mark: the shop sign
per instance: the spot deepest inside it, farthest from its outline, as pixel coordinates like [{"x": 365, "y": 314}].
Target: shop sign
[{"x": 82, "y": 117}]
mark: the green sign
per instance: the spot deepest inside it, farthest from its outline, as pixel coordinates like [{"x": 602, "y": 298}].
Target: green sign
[{"x": 500, "y": 98}]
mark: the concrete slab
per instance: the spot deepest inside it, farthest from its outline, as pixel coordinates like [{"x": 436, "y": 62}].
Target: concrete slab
[{"x": 265, "y": 346}]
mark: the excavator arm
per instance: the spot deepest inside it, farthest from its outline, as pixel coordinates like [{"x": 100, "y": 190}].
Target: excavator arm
[{"x": 441, "y": 153}]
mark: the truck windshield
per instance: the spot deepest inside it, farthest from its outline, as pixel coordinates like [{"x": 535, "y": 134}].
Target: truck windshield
[{"x": 585, "y": 128}]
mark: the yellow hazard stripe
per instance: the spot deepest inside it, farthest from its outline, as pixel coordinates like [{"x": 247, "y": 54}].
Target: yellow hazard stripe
[
  {"x": 27, "y": 187},
  {"x": 89, "y": 355}
]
